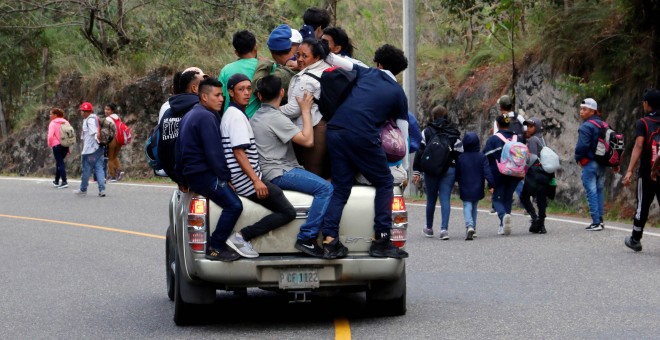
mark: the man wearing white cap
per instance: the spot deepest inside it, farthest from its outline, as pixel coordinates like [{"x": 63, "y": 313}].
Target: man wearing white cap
[
  {"x": 593, "y": 173},
  {"x": 281, "y": 42}
]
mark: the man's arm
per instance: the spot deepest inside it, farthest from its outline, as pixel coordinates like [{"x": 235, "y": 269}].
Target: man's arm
[
  {"x": 244, "y": 163},
  {"x": 636, "y": 153},
  {"x": 306, "y": 136}
]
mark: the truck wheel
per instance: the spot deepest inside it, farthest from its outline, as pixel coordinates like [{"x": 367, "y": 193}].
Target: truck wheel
[
  {"x": 388, "y": 297},
  {"x": 183, "y": 311},
  {"x": 169, "y": 264}
]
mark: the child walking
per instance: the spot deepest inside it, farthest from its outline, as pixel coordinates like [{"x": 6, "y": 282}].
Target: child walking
[{"x": 471, "y": 170}]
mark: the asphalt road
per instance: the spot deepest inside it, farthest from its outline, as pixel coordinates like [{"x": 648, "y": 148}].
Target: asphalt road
[{"x": 69, "y": 272}]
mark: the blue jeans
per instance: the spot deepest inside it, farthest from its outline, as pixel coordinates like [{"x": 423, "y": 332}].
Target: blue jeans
[
  {"x": 92, "y": 162},
  {"x": 220, "y": 193},
  {"x": 593, "y": 180},
  {"x": 470, "y": 213},
  {"x": 503, "y": 195},
  {"x": 60, "y": 152},
  {"x": 301, "y": 180},
  {"x": 439, "y": 186}
]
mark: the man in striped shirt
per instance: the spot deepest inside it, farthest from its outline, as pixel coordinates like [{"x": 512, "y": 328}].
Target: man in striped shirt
[{"x": 243, "y": 162}]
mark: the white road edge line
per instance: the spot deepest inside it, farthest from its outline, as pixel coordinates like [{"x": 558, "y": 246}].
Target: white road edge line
[
  {"x": 47, "y": 180},
  {"x": 549, "y": 218}
]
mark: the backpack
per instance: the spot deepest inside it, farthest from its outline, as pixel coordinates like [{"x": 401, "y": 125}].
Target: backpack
[
  {"x": 652, "y": 137},
  {"x": 107, "y": 131},
  {"x": 609, "y": 148},
  {"x": 516, "y": 127},
  {"x": 336, "y": 85},
  {"x": 513, "y": 161},
  {"x": 151, "y": 148},
  {"x": 67, "y": 135},
  {"x": 392, "y": 141},
  {"x": 549, "y": 159},
  {"x": 124, "y": 135},
  {"x": 435, "y": 157}
]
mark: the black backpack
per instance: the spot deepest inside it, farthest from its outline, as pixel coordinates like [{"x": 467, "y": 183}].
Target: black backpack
[
  {"x": 435, "y": 157},
  {"x": 336, "y": 85},
  {"x": 516, "y": 127}
]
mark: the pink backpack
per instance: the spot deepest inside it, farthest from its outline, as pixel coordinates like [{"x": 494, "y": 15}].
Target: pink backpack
[
  {"x": 393, "y": 142},
  {"x": 513, "y": 161}
]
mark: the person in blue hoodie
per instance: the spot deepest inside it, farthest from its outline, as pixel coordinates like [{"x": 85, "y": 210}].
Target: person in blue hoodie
[
  {"x": 471, "y": 169},
  {"x": 504, "y": 186},
  {"x": 201, "y": 165}
]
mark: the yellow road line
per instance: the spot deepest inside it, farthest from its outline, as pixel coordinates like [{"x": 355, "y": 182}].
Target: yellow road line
[
  {"x": 342, "y": 329},
  {"x": 85, "y": 226}
]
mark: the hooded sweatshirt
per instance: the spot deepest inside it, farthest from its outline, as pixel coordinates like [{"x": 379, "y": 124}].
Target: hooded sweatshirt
[
  {"x": 54, "y": 131},
  {"x": 471, "y": 169},
  {"x": 180, "y": 104}
]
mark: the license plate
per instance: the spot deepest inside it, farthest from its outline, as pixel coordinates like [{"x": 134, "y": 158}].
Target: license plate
[{"x": 299, "y": 278}]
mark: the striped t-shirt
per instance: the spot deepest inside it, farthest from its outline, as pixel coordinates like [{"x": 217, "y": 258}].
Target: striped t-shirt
[{"x": 237, "y": 133}]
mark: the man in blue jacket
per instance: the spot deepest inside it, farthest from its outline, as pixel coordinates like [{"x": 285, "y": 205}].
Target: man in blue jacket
[
  {"x": 593, "y": 173},
  {"x": 201, "y": 164}
]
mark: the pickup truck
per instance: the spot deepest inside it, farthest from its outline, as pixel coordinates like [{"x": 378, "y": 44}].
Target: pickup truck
[{"x": 193, "y": 280}]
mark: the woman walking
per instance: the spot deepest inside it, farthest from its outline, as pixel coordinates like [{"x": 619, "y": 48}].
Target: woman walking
[{"x": 55, "y": 143}]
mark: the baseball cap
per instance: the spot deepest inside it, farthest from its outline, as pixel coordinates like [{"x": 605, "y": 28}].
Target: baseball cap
[
  {"x": 590, "y": 103},
  {"x": 536, "y": 122},
  {"x": 196, "y": 69},
  {"x": 652, "y": 97},
  {"x": 86, "y": 106},
  {"x": 235, "y": 79},
  {"x": 307, "y": 31},
  {"x": 282, "y": 37},
  {"x": 504, "y": 101}
]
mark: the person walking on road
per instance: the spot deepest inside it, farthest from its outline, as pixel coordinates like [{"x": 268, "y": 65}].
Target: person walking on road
[
  {"x": 92, "y": 153},
  {"x": 647, "y": 145},
  {"x": 114, "y": 165},
  {"x": 59, "y": 151}
]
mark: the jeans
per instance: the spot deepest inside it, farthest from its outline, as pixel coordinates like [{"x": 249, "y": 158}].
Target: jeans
[
  {"x": 60, "y": 152},
  {"x": 92, "y": 161},
  {"x": 439, "y": 186},
  {"x": 593, "y": 180},
  {"x": 282, "y": 212},
  {"x": 301, "y": 180},
  {"x": 350, "y": 153},
  {"x": 220, "y": 193},
  {"x": 503, "y": 195},
  {"x": 470, "y": 213}
]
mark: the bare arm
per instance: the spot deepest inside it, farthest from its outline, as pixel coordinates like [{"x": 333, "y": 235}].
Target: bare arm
[
  {"x": 637, "y": 151},
  {"x": 306, "y": 136},
  {"x": 244, "y": 163}
]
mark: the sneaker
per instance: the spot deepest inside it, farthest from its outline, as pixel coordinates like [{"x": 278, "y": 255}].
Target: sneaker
[
  {"x": 102, "y": 194},
  {"x": 500, "y": 231},
  {"x": 242, "y": 247},
  {"x": 334, "y": 250},
  {"x": 112, "y": 180},
  {"x": 492, "y": 211},
  {"x": 594, "y": 227},
  {"x": 632, "y": 244},
  {"x": 469, "y": 234},
  {"x": 80, "y": 192},
  {"x": 309, "y": 247},
  {"x": 444, "y": 235},
  {"x": 507, "y": 224},
  {"x": 56, "y": 184},
  {"x": 385, "y": 248},
  {"x": 121, "y": 175},
  {"x": 428, "y": 232},
  {"x": 534, "y": 227},
  {"x": 63, "y": 185},
  {"x": 225, "y": 254},
  {"x": 542, "y": 228}
]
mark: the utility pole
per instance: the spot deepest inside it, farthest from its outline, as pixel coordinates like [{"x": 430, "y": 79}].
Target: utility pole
[{"x": 410, "y": 74}]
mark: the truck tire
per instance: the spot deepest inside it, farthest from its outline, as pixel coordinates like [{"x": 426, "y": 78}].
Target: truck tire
[
  {"x": 183, "y": 311},
  {"x": 388, "y": 298},
  {"x": 169, "y": 263}
]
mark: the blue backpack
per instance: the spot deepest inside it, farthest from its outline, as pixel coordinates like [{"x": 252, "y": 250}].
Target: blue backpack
[{"x": 151, "y": 148}]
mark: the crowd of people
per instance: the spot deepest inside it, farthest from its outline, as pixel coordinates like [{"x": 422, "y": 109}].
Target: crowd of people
[{"x": 257, "y": 130}]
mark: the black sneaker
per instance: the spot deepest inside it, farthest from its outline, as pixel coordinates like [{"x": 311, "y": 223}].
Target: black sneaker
[
  {"x": 542, "y": 228},
  {"x": 633, "y": 244},
  {"x": 385, "y": 248},
  {"x": 594, "y": 227},
  {"x": 534, "y": 227},
  {"x": 309, "y": 247},
  {"x": 224, "y": 254},
  {"x": 334, "y": 250}
]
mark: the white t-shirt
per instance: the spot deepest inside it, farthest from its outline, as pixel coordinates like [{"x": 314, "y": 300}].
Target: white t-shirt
[
  {"x": 521, "y": 119},
  {"x": 237, "y": 133}
]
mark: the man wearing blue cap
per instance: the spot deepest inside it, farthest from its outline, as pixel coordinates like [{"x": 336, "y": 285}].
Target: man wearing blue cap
[
  {"x": 245, "y": 48},
  {"x": 280, "y": 43}
]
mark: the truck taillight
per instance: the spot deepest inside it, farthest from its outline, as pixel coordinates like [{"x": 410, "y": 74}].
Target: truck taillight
[
  {"x": 197, "y": 223},
  {"x": 399, "y": 221}
]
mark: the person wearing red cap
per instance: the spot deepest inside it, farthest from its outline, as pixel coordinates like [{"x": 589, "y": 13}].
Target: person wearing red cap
[{"x": 92, "y": 154}]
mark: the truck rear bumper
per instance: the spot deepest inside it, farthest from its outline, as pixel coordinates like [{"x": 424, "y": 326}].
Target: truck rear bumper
[{"x": 264, "y": 271}]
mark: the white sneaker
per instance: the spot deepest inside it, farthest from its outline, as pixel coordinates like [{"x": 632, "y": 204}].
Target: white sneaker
[
  {"x": 241, "y": 246},
  {"x": 507, "y": 224},
  {"x": 444, "y": 235},
  {"x": 499, "y": 231},
  {"x": 469, "y": 234},
  {"x": 80, "y": 192}
]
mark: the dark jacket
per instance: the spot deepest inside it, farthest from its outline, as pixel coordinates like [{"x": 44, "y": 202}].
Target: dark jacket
[
  {"x": 471, "y": 169},
  {"x": 199, "y": 146},
  {"x": 180, "y": 104},
  {"x": 493, "y": 151},
  {"x": 414, "y": 133},
  {"x": 587, "y": 140},
  {"x": 441, "y": 125}
]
